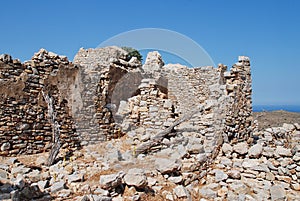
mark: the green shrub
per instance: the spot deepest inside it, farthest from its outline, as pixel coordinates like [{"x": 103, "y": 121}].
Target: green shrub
[{"x": 133, "y": 53}]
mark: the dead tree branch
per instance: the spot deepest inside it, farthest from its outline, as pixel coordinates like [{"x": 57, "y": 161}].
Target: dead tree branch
[
  {"x": 56, "y": 144},
  {"x": 156, "y": 140}
]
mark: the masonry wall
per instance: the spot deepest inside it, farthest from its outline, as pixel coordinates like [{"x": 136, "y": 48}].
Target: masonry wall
[
  {"x": 24, "y": 122},
  {"x": 106, "y": 95}
]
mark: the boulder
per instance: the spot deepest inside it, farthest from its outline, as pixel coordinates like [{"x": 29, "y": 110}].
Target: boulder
[
  {"x": 111, "y": 181},
  {"x": 181, "y": 192},
  {"x": 208, "y": 193},
  {"x": 241, "y": 148},
  {"x": 220, "y": 175},
  {"x": 255, "y": 151},
  {"x": 166, "y": 166},
  {"x": 234, "y": 174},
  {"x": 136, "y": 177},
  {"x": 281, "y": 151},
  {"x": 58, "y": 186},
  {"x": 227, "y": 148},
  {"x": 277, "y": 193}
]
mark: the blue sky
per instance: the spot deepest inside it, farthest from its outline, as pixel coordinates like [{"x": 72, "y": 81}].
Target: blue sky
[{"x": 265, "y": 30}]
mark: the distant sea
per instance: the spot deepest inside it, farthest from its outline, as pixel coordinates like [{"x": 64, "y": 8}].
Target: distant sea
[{"x": 290, "y": 108}]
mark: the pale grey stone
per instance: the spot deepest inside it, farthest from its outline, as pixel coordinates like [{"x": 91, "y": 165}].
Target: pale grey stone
[
  {"x": 100, "y": 191},
  {"x": 277, "y": 193},
  {"x": 64, "y": 193},
  {"x": 58, "y": 186},
  {"x": 255, "y": 151},
  {"x": 296, "y": 157},
  {"x": 286, "y": 161},
  {"x": 226, "y": 161},
  {"x": 241, "y": 148},
  {"x": 75, "y": 177},
  {"x": 195, "y": 148},
  {"x": 151, "y": 181},
  {"x": 5, "y": 146},
  {"x": 41, "y": 160},
  {"x": 123, "y": 108},
  {"x": 260, "y": 168},
  {"x": 282, "y": 171},
  {"x": 238, "y": 187},
  {"x": 109, "y": 182},
  {"x": 20, "y": 170},
  {"x": 283, "y": 151},
  {"x": 288, "y": 127},
  {"x": 3, "y": 174},
  {"x": 175, "y": 180},
  {"x": 268, "y": 152},
  {"x": 271, "y": 166},
  {"x": 181, "y": 192},
  {"x": 136, "y": 177},
  {"x": 220, "y": 175},
  {"x": 248, "y": 163},
  {"x": 296, "y": 149},
  {"x": 227, "y": 148},
  {"x": 19, "y": 182},
  {"x": 208, "y": 193},
  {"x": 43, "y": 184},
  {"x": 166, "y": 166},
  {"x": 101, "y": 198},
  {"x": 201, "y": 158},
  {"x": 4, "y": 167},
  {"x": 153, "y": 62}
]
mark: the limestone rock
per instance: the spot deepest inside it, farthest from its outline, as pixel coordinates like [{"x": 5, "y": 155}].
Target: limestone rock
[
  {"x": 208, "y": 193},
  {"x": 108, "y": 182},
  {"x": 43, "y": 184},
  {"x": 235, "y": 174},
  {"x": 227, "y": 148},
  {"x": 277, "y": 193},
  {"x": 3, "y": 174},
  {"x": 136, "y": 177},
  {"x": 175, "y": 180},
  {"x": 181, "y": 192},
  {"x": 220, "y": 175},
  {"x": 255, "y": 151},
  {"x": 5, "y": 146},
  {"x": 166, "y": 166},
  {"x": 241, "y": 148},
  {"x": 58, "y": 186},
  {"x": 283, "y": 151}
]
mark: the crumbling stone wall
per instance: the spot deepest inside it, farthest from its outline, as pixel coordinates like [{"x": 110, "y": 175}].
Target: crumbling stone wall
[
  {"x": 239, "y": 119},
  {"x": 100, "y": 73},
  {"x": 24, "y": 126},
  {"x": 105, "y": 94}
]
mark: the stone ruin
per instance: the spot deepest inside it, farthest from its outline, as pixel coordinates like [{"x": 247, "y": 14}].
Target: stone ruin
[
  {"x": 138, "y": 132},
  {"x": 104, "y": 94}
]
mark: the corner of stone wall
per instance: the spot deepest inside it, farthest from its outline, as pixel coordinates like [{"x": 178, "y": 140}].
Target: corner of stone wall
[{"x": 239, "y": 120}]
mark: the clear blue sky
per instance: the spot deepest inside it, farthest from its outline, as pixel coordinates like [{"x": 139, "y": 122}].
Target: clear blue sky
[{"x": 267, "y": 31}]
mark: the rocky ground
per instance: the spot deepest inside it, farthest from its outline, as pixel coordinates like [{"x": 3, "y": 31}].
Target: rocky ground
[
  {"x": 275, "y": 118},
  {"x": 266, "y": 167}
]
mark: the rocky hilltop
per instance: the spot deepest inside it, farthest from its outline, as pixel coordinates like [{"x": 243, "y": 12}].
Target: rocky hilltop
[{"x": 138, "y": 132}]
